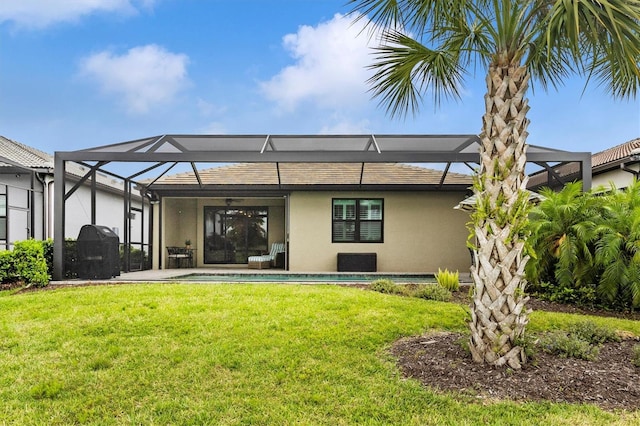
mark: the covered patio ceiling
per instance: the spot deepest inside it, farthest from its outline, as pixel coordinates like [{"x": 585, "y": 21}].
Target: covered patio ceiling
[{"x": 157, "y": 155}]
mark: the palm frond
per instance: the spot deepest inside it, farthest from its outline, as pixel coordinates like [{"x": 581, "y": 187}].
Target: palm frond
[
  {"x": 404, "y": 69},
  {"x": 602, "y": 37}
]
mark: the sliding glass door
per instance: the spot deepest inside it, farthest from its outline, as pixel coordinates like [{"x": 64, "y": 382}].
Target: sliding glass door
[{"x": 232, "y": 234}]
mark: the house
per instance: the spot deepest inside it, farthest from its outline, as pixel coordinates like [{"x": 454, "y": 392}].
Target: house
[
  {"x": 27, "y": 179},
  {"x": 323, "y": 196},
  {"x": 401, "y": 213},
  {"x": 617, "y": 165}
]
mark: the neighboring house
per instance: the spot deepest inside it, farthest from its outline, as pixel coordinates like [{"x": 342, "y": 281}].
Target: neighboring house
[
  {"x": 618, "y": 165},
  {"x": 27, "y": 197},
  {"x": 26, "y": 179},
  {"x": 404, "y": 214}
]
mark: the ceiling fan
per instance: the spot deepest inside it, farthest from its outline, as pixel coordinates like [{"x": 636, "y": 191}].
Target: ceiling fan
[{"x": 229, "y": 201}]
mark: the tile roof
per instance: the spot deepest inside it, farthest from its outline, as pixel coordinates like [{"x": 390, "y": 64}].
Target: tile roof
[
  {"x": 615, "y": 153},
  {"x": 23, "y": 155},
  {"x": 316, "y": 174}
]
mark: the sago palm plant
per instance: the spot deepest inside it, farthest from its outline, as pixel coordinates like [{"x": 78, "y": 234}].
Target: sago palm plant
[
  {"x": 563, "y": 234},
  {"x": 618, "y": 248},
  {"x": 429, "y": 45}
]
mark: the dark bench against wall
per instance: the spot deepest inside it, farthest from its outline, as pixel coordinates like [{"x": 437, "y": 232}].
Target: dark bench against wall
[{"x": 357, "y": 262}]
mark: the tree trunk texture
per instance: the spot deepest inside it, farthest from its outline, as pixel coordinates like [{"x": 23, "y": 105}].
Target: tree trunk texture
[{"x": 498, "y": 314}]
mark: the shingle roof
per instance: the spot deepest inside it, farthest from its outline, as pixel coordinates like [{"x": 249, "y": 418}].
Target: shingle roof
[
  {"x": 316, "y": 174},
  {"x": 23, "y": 155},
  {"x": 615, "y": 153}
]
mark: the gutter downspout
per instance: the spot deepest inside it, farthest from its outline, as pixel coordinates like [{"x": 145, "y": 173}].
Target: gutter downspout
[{"x": 47, "y": 191}]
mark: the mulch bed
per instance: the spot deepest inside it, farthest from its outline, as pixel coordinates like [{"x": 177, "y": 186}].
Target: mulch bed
[{"x": 611, "y": 382}]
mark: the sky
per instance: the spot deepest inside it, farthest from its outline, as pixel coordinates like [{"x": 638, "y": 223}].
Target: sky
[{"x": 76, "y": 74}]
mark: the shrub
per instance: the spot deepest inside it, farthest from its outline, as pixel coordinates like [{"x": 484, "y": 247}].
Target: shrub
[
  {"x": 70, "y": 258},
  {"x": 586, "y": 246},
  {"x": 448, "y": 280},
  {"x": 593, "y": 333},
  {"x": 584, "y": 295},
  {"x": 635, "y": 357},
  {"x": 434, "y": 292},
  {"x": 384, "y": 285},
  {"x": 30, "y": 264},
  {"x": 7, "y": 267},
  {"x": 47, "y": 247},
  {"x": 564, "y": 345}
]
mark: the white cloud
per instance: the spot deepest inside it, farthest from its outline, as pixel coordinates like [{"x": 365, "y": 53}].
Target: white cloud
[
  {"x": 143, "y": 77},
  {"x": 42, "y": 13},
  {"x": 340, "y": 125},
  {"x": 329, "y": 69}
]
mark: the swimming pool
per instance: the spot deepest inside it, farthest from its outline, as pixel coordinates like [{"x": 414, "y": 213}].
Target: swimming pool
[{"x": 305, "y": 277}]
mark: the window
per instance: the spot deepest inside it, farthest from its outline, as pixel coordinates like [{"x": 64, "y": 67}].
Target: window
[
  {"x": 357, "y": 220},
  {"x": 3, "y": 216}
]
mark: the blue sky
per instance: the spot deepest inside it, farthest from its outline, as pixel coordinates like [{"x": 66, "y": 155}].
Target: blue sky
[{"x": 81, "y": 73}]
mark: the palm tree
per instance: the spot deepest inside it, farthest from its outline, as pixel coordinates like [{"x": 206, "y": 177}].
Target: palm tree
[{"x": 430, "y": 45}]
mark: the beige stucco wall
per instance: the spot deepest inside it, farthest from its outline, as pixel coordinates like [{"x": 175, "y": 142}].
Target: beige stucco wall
[
  {"x": 422, "y": 232},
  {"x": 620, "y": 178}
]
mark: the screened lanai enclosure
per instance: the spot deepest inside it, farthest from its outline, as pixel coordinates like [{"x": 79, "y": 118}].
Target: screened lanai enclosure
[{"x": 226, "y": 198}]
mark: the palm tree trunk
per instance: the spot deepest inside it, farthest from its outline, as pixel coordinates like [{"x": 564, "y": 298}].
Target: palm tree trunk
[{"x": 498, "y": 314}]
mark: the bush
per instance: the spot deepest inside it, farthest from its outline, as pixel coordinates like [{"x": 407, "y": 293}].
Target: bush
[
  {"x": 70, "y": 258},
  {"x": 30, "y": 263},
  {"x": 584, "y": 295},
  {"x": 593, "y": 333},
  {"x": 7, "y": 267},
  {"x": 47, "y": 247},
  {"x": 585, "y": 244},
  {"x": 448, "y": 280},
  {"x": 567, "y": 346},
  {"x": 635, "y": 357},
  {"x": 434, "y": 292},
  {"x": 384, "y": 285}
]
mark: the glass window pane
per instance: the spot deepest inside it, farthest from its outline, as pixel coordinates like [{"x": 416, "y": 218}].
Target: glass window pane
[
  {"x": 344, "y": 231},
  {"x": 344, "y": 209},
  {"x": 3, "y": 205},
  {"x": 371, "y": 209},
  {"x": 370, "y": 231},
  {"x": 3, "y": 228}
]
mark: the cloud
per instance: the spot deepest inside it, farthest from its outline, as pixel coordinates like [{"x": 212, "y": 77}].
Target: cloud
[
  {"x": 43, "y": 13},
  {"x": 143, "y": 77},
  {"x": 329, "y": 69},
  {"x": 347, "y": 128}
]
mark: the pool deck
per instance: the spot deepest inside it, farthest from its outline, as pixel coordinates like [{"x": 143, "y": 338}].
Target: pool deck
[{"x": 169, "y": 275}]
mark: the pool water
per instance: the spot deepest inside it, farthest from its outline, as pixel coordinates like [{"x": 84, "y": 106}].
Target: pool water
[{"x": 312, "y": 278}]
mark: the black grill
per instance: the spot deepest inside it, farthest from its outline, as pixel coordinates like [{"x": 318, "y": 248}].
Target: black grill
[{"x": 98, "y": 252}]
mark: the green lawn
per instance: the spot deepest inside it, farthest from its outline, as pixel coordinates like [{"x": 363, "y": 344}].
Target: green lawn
[{"x": 237, "y": 354}]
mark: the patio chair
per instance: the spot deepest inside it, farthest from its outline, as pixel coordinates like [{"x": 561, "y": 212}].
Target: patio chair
[
  {"x": 264, "y": 261},
  {"x": 179, "y": 255}
]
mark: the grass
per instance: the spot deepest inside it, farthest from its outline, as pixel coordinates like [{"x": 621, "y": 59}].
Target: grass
[{"x": 237, "y": 355}]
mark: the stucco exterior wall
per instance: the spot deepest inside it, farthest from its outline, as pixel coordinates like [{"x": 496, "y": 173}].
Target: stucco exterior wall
[
  {"x": 109, "y": 213},
  {"x": 619, "y": 177},
  {"x": 422, "y": 232},
  {"x": 24, "y": 209}
]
